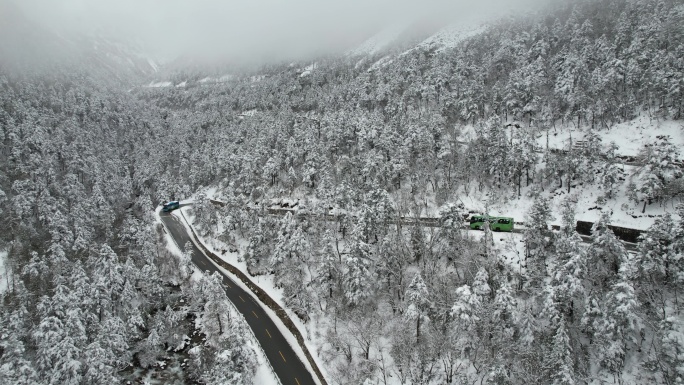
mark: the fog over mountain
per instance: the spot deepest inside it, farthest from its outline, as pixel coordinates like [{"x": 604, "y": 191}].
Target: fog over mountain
[
  {"x": 420, "y": 192},
  {"x": 261, "y": 29}
]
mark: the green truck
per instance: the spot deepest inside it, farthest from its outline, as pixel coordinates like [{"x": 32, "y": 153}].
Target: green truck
[{"x": 477, "y": 222}]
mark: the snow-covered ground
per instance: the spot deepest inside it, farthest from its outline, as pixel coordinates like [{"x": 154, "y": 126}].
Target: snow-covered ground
[
  {"x": 383, "y": 61},
  {"x": 4, "y": 277},
  {"x": 266, "y": 284},
  {"x": 221, "y": 79},
  {"x": 248, "y": 113},
  {"x": 623, "y": 212},
  {"x": 447, "y": 37},
  {"x": 308, "y": 69},
  {"x": 264, "y": 374},
  {"x": 451, "y": 35},
  {"x": 630, "y": 137},
  {"x": 159, "y": 84},
  {"x": 507, "y": 247},
  {"x": 152, "y": 64}
]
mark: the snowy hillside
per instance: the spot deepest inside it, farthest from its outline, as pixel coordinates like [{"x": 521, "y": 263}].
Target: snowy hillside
[
  {"x": 383, "y": 42},
  {"x": 572, "y": 115},
  {"x": 25, "y": 43},
  {"x": 128, "y": 56},
  {"x": 632, "y": 141},
  {"x": 380, "y": 41},
  {"x": 452, "y": 35},
  {"x": 631, "y": 138}
]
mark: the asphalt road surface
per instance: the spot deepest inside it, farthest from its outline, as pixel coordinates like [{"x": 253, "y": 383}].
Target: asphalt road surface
[{"x": 287, "y": 365}]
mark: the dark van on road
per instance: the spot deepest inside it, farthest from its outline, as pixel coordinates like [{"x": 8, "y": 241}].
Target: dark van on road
[{"x": 170, "y": 206}]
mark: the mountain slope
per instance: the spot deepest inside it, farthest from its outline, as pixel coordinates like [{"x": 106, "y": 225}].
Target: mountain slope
[{"x": 26, "y": 45}]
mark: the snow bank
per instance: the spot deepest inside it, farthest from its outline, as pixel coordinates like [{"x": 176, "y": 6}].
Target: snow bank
[
  {"x": 308, "y": 69},
  {"x": 4, "y": 274},
  {"x": 152, "y": 64},
  {"x": 451, "y": 35},
  {"x": 264, "y": 374},
  {"x": 630, "y": 137},
  {"x": 267, "y": 285},
  {"x": 159, "y": 84}
]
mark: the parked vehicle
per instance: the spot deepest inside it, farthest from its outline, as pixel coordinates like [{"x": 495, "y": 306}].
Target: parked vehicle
[
  {"x": 477, "y": 222},
  {"x": 170, "y": 206}
]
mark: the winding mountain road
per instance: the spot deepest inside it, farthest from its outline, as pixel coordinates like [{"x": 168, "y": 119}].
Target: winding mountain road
[{"x": 285, "y": 362}]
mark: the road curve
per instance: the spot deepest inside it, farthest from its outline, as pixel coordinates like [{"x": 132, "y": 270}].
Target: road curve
[{"x": 287, "y": 365}]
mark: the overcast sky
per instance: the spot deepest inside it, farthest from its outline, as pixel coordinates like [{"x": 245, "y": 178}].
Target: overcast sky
[{"x": 275, "y": 28}]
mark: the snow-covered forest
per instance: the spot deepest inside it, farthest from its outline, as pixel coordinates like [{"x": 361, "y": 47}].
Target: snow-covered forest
[{"x": 93, "y": 291}]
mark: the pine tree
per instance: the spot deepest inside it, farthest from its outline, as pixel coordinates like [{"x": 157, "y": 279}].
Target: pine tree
[
  {"x": 330, "y": 269},
  {"x": 418, "y": 299},
  {"x": 60, "y": 351},
  {"x": 15, "y": 367},
  {"x": 107, "y": 282},
  {"x": 480, "y": 284},
  {"x": 606, "y": 253},
  {"x": 452, "y": 216},
  {"x": 671, "y": 335},
  {"x": 216, "y": 313},
  {"x": 569, "y": 265},
  {"x": 503, "y": 311},
  {"x": 538, "y": 240},
  {"x": 149, "y": 349},
  {"x": 467, "y": 306},
  {"x": 99, "y": 369},
  {"x": 185, "y": 265},
  {"x": 560, "y": 359},
  {"x": 356, "y": 280},
  {"x": 659, "y": 253},
  {"x": 620, "y": 326},
  {"x": 224, "y": 355},
  {"x": 660, "y": 170}
]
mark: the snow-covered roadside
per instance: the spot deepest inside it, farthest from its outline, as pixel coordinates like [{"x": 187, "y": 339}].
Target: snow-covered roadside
[
  {"x": 264, "y": 375},
  {"x": 172, "y": 247},
  {"x": 266, "y": 284},
  {"x": 507, "y": 247}
]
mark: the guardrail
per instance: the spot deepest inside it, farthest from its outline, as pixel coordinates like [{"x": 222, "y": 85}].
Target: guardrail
[
  {"x": 622, "y": 233},
  {"x": 264, "y": 298}
]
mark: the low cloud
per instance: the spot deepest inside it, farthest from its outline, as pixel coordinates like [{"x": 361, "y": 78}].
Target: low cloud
[{"x": 274, "y": 29}]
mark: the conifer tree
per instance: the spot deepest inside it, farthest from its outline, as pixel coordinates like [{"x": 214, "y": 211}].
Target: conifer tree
[
  {"x": 418, "y": 299},
  {"x": 538, "y": 240},
  {"x": 561, "y": 368}
]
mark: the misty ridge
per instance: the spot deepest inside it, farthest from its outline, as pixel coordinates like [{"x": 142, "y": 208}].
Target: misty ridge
[
  {"x": 423, "y": 192},
  {"x": 252, "y": 32}
]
